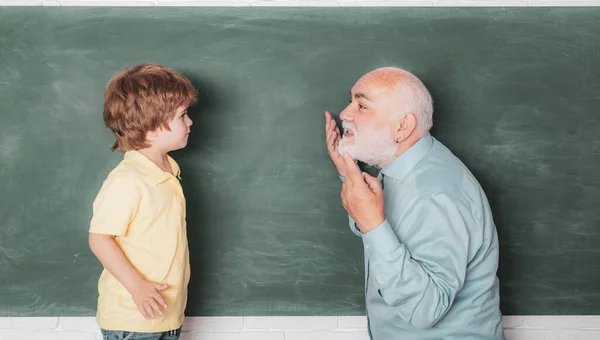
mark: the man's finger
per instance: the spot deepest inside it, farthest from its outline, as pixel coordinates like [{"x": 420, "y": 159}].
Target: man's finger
[
  {"x": 331, "y": 135},
  {"x": 332, "y": 127},
  {"x": 330, "y": 138},
  {"x": 336, "y": 133},
  {"x": 343, "y": 197},
  {"x": 373, "y": 183},
  {"x": 328, "y": 119},
  {"x": 352, "y": 172}
]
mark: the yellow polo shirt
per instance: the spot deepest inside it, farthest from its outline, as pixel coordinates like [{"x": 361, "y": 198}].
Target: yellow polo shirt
[{"x": 144, "y": 207}]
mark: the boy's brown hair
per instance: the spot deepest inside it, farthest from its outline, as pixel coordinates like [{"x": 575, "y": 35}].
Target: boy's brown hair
[{"x": 141, "y": 99}]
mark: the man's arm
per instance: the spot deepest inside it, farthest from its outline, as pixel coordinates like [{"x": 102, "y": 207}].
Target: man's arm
[{"x": 422, "y": 285}]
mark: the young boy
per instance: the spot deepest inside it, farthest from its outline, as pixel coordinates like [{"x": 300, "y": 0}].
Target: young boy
[{"x": 138, "y": 228}]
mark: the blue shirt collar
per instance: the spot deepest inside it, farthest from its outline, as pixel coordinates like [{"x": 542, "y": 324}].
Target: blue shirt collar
[{"x": 403, "y": 164}]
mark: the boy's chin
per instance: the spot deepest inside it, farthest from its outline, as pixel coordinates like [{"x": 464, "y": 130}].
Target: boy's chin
[{"x": 178, "y": 147}]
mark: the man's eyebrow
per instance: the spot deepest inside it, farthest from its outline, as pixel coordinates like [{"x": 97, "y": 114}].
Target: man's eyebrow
[{"x": 360, "y": 95}]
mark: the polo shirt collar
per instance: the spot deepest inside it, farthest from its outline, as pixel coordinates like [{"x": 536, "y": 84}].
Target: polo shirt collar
[{"x": 155, "y": 174}]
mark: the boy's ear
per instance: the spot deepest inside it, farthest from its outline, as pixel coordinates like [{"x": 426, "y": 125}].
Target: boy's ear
[{"x": 151, "y": 135}]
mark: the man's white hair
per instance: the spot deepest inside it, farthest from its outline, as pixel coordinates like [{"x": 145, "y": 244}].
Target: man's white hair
[{"x": 414, "y": 94}]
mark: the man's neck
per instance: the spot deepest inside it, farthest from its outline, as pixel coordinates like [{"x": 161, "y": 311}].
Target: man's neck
[
  {"x": 402, "y": 147},
  {"x": 157, "y": 157}
]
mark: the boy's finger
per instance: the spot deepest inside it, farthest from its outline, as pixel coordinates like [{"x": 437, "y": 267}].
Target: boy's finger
[
  {"x": 161, "y": 286},
  {"x": 160, "y": 300},
  {"x": 155, "y": 306},
  {"x": 149, "y": 310},
  {"x": 143, "y": 311}
]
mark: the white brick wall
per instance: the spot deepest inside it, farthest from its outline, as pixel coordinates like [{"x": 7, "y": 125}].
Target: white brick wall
[
  {"x": 293, "y": 328},
  {"x": 329, "y": 3}
]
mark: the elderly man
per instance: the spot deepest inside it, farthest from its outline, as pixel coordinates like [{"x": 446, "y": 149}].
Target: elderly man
[{"x": 431, "y": 247}]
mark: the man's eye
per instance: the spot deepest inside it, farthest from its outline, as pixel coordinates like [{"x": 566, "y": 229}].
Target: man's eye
[{"x": 361, "y": 106}]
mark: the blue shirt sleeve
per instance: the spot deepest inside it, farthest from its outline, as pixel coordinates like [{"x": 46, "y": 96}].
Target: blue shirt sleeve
[{"x": 423, "y": 284}]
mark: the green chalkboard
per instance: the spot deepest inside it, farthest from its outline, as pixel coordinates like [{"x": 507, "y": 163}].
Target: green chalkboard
[{"x": 516, "y": 96}]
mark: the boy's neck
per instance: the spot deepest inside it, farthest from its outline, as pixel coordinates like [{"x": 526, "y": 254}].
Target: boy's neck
[{"x": 157, "y": 157}]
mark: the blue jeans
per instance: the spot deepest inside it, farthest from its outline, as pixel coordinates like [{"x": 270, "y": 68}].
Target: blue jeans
[{"x": 123, "y": 335}]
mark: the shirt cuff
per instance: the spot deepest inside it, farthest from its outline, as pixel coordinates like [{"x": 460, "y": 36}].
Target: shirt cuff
[{"x": 381, "y": 241}]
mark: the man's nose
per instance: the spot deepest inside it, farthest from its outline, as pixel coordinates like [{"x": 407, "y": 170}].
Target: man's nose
[{"x": 346, "y": 114}]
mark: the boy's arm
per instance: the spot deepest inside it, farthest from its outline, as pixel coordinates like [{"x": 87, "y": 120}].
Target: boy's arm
[{"x": 145, "y": 293}]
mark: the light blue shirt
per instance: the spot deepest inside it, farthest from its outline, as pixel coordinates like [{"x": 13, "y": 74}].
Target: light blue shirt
[{"x": 430, "y": 267}]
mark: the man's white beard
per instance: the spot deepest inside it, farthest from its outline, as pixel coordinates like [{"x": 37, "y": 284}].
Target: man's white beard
[{"x": 373, "y": 148}]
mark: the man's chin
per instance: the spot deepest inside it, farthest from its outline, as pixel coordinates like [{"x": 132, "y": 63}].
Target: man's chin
[
  {"x": 367, "y": 158},
  {"x": 349, "y": 151}
]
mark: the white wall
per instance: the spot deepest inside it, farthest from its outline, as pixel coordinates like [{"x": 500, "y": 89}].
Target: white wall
[
  {"x": 331, "y": 3},
  {"x": 293, "y": 328}
]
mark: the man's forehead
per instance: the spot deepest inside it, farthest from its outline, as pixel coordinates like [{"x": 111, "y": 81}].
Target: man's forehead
[{"x": 367, "y": 89}]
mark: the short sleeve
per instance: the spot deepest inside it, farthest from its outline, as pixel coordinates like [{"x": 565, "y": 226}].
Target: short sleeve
[{"x": 115, "y": 206}]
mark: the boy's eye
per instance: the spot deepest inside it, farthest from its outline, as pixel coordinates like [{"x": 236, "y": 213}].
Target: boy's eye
[{"x": 361, "y": 106}]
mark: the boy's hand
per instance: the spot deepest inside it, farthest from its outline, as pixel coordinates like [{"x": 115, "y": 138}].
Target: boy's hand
[
  {"x": 145, "y": 294},
  {"x": 148, "y": 299}
]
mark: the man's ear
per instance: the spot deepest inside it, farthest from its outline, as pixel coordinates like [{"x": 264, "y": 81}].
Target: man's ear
[{"x": 404, "y": 127}]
